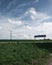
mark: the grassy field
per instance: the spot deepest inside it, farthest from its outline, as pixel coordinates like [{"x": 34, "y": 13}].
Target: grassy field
[
  {"x": 26, "y": 41},
  {"x": 24, "y": 52}
]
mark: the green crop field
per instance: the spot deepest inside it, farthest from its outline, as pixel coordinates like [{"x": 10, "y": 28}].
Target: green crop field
[{"x": 24, "y": 52}]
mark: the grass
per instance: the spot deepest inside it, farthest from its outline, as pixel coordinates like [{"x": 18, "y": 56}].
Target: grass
[{"x": 24, "y": 52}]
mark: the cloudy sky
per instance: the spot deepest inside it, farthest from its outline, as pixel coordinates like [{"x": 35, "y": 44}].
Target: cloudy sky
[{"x": 25, "y": 18}]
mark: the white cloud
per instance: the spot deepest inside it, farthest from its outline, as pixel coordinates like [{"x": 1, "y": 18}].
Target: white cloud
[
  {"x": 36, "y": 1},
  {"x": 29, "y": 27},
  {"x": 37, "y": 24},
  {"x": 37, "y": 16},
  {"x": 47, "y": 27},
  {"x": 15, "y": 22},
  {"x": 0, "y": 27},
  {"x": 33, "y": 11},
  {"x": 44, "y": 28},
  {"x": 25, "y": 36},
  {"x": 14, "y": 2},
  {"x": 34, "y": 15}
]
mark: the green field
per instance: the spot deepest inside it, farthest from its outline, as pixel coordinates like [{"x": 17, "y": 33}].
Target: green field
[
  {"x": 27, "y": 41},
  {"x": 24, "y": 52}
]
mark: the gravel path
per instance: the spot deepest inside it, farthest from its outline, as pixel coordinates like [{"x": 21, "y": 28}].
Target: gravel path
[
  {"x": 50, "y": 60},
  {"x": 50, "y": 63}
]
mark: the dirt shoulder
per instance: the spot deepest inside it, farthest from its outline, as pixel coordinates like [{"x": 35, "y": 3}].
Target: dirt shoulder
[{"x": 50, "y": 60}]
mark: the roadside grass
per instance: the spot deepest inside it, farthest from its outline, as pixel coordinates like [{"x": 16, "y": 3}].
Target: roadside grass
[{"x": 22, "y": 54}]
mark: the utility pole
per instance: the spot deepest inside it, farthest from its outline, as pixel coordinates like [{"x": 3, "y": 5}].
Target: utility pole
[{"x": 10, "y": 34}]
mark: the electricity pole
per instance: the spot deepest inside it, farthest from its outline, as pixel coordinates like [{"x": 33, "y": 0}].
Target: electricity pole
[{"x": 10, "y": 34}]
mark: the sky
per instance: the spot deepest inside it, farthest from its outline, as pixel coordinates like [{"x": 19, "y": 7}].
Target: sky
[{"x": 25, "y": 18}]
